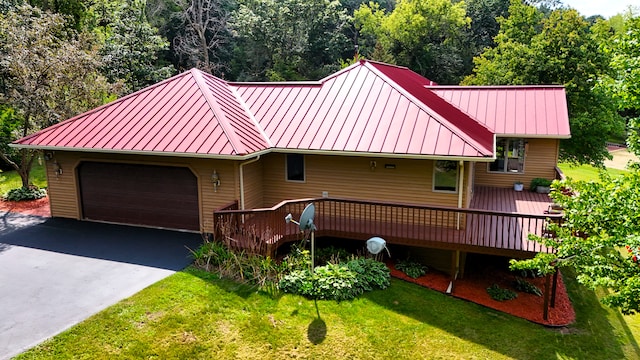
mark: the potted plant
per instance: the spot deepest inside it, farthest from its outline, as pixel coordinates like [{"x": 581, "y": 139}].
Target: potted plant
[
  {"x": 518, "y": 186},
  {"x": 541, "y": 185}
]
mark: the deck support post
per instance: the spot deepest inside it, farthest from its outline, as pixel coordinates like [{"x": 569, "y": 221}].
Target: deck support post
[{"x": 455, "y": 269}]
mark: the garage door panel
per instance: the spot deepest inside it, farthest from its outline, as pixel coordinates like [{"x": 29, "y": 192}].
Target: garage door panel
[{"x": 140, "y": 194}]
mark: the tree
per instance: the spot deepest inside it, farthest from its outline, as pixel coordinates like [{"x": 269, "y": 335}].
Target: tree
[
  {"x": 131, "y": 46},
  {"x": 625, "y": 81},
  {"x": 49, "y": 73},
  {"x": 599, "y": 237},
  {"x": 289, "y": 39},
  {"x": 559, "y": 49},
  {"x": 204, "y": 32},
  {"x": 425, "y": 35}
]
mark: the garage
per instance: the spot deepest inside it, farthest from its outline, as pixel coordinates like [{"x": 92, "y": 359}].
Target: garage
[{"x": 159, "y": 196}]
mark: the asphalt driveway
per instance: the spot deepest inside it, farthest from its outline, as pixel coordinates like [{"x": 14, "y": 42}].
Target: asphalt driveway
[{"x": 55, "y": 273}]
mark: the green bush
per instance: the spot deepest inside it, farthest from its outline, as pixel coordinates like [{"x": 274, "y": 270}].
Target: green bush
[
  {"x": 371, "y": 274},
  {"x": 25, "y": 193},
  {"x": 526, "y": 287},
  {"x": 412, "y": 269},
  {"x": 539, "y": 182},
  {"x": 332, "y": 255},
  {"x": 499, "y": 294},
  {"x": 337, "y": 281}
]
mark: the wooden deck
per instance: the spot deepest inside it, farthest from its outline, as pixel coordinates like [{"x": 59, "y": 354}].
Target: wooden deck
[{"x": 499, "y": 223}]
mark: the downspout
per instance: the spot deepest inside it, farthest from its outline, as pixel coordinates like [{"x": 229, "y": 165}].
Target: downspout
[
  {"x": 242, "y": 179},
  {"x": 460, "y": 190}
]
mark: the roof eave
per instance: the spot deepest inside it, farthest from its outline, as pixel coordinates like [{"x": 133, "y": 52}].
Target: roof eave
[{"x": 256, "y": 153}]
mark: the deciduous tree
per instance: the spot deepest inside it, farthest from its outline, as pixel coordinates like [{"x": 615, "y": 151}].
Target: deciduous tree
[
  {"x": 49, "y": 73},
  {"x": 425, "y": 35},
  {"x": 599, "y": 237},
  {"x": 559, "y": 49}
]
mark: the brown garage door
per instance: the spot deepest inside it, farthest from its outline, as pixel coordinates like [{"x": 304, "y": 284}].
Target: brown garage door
[{"x": 139, "y": 194}]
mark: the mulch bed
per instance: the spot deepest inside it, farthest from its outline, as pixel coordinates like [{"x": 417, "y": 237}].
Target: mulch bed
[
  {"x": 473, "y": 287},
  {"x": 38, "y": 207}
]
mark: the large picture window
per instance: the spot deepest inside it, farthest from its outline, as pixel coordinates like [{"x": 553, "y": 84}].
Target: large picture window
[
  {"x": 509, "y": 156},
  {"x": 445, "y": 176},
  {"x": 295, "y": 167}
]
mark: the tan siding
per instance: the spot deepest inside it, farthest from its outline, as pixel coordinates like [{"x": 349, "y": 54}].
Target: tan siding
[
  {"x": 540, "y": 160},
  {"x": 65, "y": 200},
  {"x": 352, "y": 177},
  {"x": 253, "y": 194}
]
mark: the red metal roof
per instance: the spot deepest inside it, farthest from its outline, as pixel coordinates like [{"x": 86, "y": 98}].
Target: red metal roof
[
  {"x": 523, "y": 111},
  {"x": 192, "y": 113},
  {"x": 367, "y": 108}
]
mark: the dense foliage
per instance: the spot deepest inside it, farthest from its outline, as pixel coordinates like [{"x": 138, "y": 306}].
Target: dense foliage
[
  {"x": 599, "y": 237},
  {"x": 25, "y": 193}
]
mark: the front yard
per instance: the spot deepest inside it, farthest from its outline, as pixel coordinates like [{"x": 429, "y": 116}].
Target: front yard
[{"x": 193, "y": 314}]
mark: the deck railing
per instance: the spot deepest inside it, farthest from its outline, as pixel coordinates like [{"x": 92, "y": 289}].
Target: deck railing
[{"x": 473, "y": 230}]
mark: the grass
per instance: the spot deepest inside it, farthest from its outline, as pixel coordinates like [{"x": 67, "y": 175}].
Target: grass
[
  {"x": 586, "y": 172},
  {"x": 194, "y": 315},
  {"x": 11, "y": 180}
]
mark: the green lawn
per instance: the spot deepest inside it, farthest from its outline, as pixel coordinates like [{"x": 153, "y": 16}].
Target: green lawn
[
  {"x": 586, "y": 172},
  {"x": 11, "y": 180},
  {"x": 193, "y": 315}
]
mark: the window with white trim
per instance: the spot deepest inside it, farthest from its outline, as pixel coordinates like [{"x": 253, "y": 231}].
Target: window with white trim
[
  {"x": 295, "y": 167},
  {"x": 509, "y": 156},
  {"x": 445, "y": 176}
]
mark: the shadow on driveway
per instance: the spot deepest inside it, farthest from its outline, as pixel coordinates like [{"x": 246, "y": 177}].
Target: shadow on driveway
[{"x": 158, "y": 248}]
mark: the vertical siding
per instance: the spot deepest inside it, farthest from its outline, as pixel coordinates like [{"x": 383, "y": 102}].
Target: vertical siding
[
  {"x": 352, "y": 177},
  {"x": 540, "y": 160},
  {"x": 64, "y": 194}
]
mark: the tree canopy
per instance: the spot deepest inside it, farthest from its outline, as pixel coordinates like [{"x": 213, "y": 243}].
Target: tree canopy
[
  {"x": 50, "y": 73},
  {"x": 532, "y": 48}
]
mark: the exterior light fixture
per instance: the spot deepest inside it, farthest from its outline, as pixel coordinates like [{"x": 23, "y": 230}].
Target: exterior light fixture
[
  {"x": 215, "y": 179},
  {"x": 57, "y": 168}
]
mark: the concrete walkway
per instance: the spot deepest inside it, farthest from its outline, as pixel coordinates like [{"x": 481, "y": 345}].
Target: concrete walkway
[{"x": 55, "y": 273}]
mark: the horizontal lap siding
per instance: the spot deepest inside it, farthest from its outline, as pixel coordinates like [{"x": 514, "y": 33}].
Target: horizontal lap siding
[
  {"x": 65, "y": 198},
  {"x": 540, "y": 161},
  {"x": 352, "y": 177},
  {"x": 253, "y": 196}
]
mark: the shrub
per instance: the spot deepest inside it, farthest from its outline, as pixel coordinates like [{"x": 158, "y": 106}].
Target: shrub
[
  {"x": 412, "y": 269},
  {"x": 371, "y": 274},
  {"x": 499, "y": 294},
  {"x": 332, "y": 255},
  {"x": 25, "y": 193},
  {"x": 337, "y": 281},
  {"x": 539, "y": 182},
  {"x": 526, "y": 287}
]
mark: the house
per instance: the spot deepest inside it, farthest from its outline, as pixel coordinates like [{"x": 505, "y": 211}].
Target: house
[{"x": 374, "y": 144}]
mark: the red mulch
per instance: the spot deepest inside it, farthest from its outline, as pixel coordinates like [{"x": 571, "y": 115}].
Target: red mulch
[
  {"x": 473, "y": 287},
  {"x": 38, "y": 207}
]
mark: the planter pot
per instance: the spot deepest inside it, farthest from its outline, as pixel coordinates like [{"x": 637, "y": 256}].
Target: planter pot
[
  {"x": 543, "y": 189},
  {"x": 518, "y": 187}
]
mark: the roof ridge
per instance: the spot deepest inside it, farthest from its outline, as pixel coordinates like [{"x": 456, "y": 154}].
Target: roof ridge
[
  {"x": 227, "y": 128},
  {"x": 441, "y": 119},
  {"x": 251, "y": 115},
  {"x": 470, "y": 87}
]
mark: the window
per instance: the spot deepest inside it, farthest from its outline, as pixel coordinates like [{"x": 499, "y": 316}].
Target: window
[
  {"x": 509, "y": 156},
  {"x": 295, "y": 167},
  {"x": 445, "y": 176}
]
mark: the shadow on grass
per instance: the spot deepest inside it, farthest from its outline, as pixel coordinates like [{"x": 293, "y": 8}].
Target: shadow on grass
[
  {"x": 317, "y": 330},
  {"x": 592, "y": 337}
]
